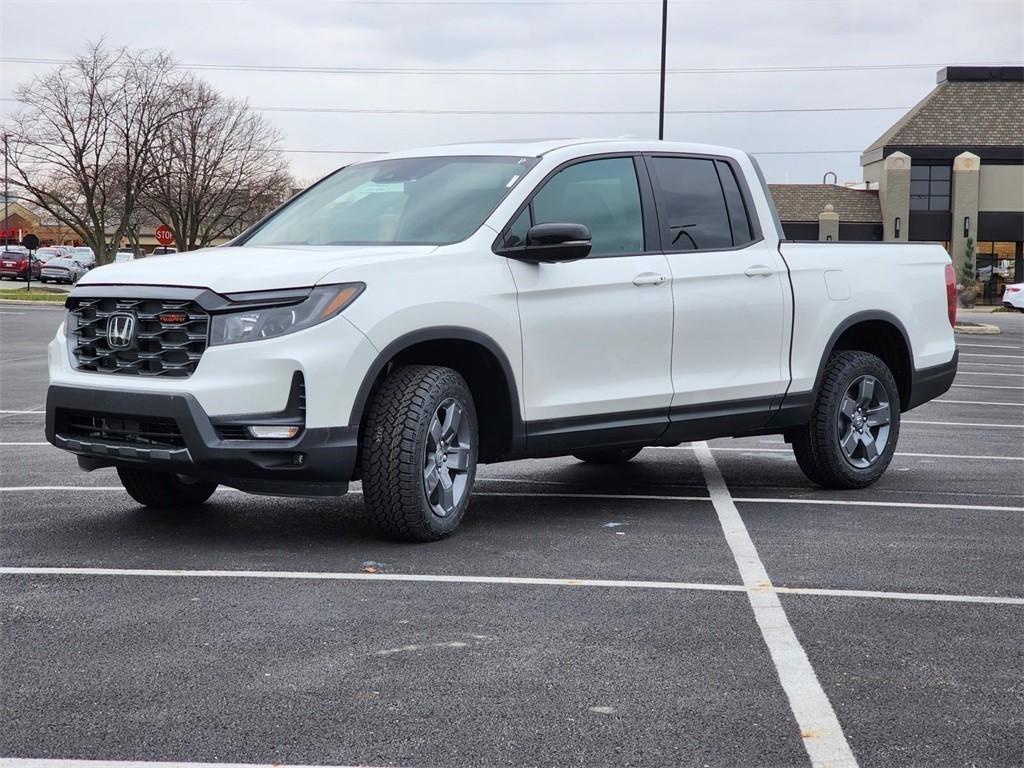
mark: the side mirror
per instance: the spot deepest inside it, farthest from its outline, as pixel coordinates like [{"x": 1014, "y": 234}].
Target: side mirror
[{"x": 553, "y": 243}]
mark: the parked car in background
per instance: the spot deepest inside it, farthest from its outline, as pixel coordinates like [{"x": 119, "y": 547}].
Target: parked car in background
[
  {"x": 1013, "y": 296},
  {"x": 61, "y": 269},
  {"x": 162, "y": 250},
  {"x": 52, "y": 252},
  {"x": 122, "y": 256},
  {"x": 14, "y": 265},
  {"x": 84, "y": 256}
]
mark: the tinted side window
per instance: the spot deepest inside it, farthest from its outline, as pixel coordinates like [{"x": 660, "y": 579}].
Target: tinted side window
[
  {"x": 691, "y": 204},
  {"x": 738, "y": 218},
  {"x": 601, "y": 194},
  {"x": 515, "y": 237}
]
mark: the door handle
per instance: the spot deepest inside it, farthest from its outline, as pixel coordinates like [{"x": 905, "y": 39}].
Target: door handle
[
  {"x": 758, "y": 270},
  {"x": 649, "y": 278}
]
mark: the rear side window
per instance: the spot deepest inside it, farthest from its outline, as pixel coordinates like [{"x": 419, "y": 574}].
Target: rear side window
[
  {"x": 601, "y": 194},
  {"x": 691, "y": 204},
  {"x": 739, "y": 220}
]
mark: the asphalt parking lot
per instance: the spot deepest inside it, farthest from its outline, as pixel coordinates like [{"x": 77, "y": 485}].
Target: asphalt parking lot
[{"x": 697, "y": 607}]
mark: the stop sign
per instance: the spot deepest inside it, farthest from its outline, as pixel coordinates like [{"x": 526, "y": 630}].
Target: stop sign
[{"x": 164, "y": 236}]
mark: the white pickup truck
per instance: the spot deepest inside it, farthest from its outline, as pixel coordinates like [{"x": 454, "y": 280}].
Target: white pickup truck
[{"x": 409, "y": 317}]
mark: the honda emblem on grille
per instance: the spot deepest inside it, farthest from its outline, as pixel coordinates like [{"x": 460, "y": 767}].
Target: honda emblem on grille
[{"x": 121, "y": 330}]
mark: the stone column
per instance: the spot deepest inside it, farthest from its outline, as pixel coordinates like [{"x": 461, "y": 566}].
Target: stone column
[
  {"x": 894, "y": 196},
  {"x": 964, "y": 205},
  {"x": 828, "y": 224}
]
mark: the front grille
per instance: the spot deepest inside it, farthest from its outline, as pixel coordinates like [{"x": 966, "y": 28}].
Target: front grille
[
  {"x": 170, "y": 336},
  {"x": 126, "y": 430}
]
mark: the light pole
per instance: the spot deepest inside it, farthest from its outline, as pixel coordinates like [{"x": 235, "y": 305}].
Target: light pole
[
  {"x": 5, "y": 192},
  {"x": 664, "y": 38}
]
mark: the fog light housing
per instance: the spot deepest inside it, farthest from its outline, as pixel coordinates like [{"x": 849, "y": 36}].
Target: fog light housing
[{"x": 273, "y": 432}]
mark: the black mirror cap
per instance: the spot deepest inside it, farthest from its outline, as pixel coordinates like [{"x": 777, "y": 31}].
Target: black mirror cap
[{"x": 553, "y": 243}]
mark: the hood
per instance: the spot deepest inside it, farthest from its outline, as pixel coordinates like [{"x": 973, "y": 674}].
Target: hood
[{"x": 235, "y": 270}]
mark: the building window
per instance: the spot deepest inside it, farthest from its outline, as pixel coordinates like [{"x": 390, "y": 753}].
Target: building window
[{"x": 929, "y": 187}]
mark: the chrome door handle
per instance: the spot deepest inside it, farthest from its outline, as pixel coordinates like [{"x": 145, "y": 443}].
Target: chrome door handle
[
  {"x": 758, "y": 270},
  {"x": 649, "y": 278}
]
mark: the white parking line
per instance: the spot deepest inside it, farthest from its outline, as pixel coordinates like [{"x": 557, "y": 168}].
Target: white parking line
[
  {"x": 439, "y": 578},
  {"x": 12, "y": 413},
  {"x": 980, "y": 354},
  {"x": 995, "y": 365},
  {"x": 819, "y": 727},
  {"x": 985, "y": 373},
  {"x": 989, "y": 346},
  {"x": 977, "y": 402},
  {"x": 39, "y": 762},
  {"x": 986, "y": 386},
  {"x": 24, "y": 445},
  {"x": 962, "y": 424},
  {"x": 602, "y": 497},
  {"x": 790, "y": 450}
]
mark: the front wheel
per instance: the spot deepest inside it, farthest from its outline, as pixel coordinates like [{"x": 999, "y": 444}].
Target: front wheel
[
  {"x": 419, "y": 452},
  {"x": 164, "y": 490},
  {"x": 852, "y": 435}
]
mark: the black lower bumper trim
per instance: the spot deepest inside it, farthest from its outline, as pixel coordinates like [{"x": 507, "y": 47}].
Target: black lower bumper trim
[
  {"x": 929, "y": 383},
  {"x": 319, "y": 462}
]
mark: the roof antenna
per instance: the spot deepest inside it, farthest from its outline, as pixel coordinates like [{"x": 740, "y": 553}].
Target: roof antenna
[{"x": 835, "y": 179}]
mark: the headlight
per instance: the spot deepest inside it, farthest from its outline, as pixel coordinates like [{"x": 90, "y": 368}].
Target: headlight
[{"x": 323, "y": 303}]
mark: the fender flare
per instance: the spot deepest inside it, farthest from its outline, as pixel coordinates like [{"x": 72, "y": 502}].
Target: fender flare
[{"x": 442, "y": 333}]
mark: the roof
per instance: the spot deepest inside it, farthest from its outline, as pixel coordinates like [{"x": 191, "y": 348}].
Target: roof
[
  {"x": 538, "y": 147},
  {"x": 962, "y": 112},
  {"x": 803, "y": 202}
]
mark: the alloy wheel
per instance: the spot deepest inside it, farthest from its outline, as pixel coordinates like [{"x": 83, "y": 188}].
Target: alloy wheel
[
  {"x": 446, "y": 458},
  {"x": 864, "y": 419}
]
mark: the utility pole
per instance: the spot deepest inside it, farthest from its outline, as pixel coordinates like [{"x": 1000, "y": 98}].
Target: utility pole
[
  {"x": 664, "y": 39},
  {"x": 6, "y": 218}
]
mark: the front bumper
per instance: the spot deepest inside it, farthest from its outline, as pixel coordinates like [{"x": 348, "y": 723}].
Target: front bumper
[{"x": 318, "y": 462}]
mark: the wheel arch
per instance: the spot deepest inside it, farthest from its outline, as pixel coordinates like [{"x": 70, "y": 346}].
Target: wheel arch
[
  {"x": 879, "y": 333},
  {"x": 479, "y": 360}
]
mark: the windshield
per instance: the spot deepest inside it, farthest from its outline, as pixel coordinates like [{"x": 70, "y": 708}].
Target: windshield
[{"x": 421, "y": 201}]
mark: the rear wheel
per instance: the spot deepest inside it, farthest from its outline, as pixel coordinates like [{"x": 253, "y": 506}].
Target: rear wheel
[
  {"x": 608, "y": 455},
  {"x": 419, "y": 452},
  {"x": 855, "y": 425},
  {"x": 164, "y": 490}
]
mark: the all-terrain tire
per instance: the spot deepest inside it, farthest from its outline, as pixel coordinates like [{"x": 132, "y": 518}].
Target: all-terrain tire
[
  {"x": 394, "y": 452},
  {"x": 608, "y": 455},
  {"x": 163, "y": 490},
  {"x": 817, "y": 445}
]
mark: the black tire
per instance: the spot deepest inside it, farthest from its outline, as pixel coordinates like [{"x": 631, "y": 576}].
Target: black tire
[
  {"x": 817, "y": 446},
  {"x": 163, "y": 490},
  {"x": 395, "y": 440},
  {"x": 42, "y": 279},
  {"x": 608, "y": 455}
]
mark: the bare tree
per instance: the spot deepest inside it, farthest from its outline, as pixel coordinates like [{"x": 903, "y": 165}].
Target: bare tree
[
  {"x": 81, "y": 145},
  {"x": 219, "y": 168}
]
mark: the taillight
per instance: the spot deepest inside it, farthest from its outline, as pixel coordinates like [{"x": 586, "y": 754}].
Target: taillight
[
  {"x": 951, "y": 294},
  {"x": 1012, "y": 289}
]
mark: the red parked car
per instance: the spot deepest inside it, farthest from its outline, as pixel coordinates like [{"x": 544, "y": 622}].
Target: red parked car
[{"x": 15, "y": 266}]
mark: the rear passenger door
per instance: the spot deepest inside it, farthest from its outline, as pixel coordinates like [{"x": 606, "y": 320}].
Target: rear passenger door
[
  {"x": 729, "y": 291},
  {"x": 597, "y": 333}
]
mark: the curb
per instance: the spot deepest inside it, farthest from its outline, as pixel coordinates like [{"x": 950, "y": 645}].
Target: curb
[
  {"x": 28, "y": 302},
  {"x": 977, "y": 329}
]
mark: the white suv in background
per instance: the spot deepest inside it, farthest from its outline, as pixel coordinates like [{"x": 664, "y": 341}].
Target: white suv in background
[{"x": 409, "y": 317}]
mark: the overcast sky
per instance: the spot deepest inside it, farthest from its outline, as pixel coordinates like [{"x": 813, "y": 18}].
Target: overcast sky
[{"x": 556, "y": 35}]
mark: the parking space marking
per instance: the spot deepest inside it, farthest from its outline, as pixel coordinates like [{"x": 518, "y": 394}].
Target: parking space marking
[
  {"x": 821, "y": 733},
  {"x": 984, "y": 365},
  {"x": 16, "y": 413},
  {"x": 981, "y": 354},
  {"x": 536, "y": 581},
  {"x": 23, "y": 444},
  {"x": 38, "y": 762},
  {"x": 600, "y": 496},
  {"x": 976, "y": 402},
  {"x": 987, "y": 386},
  {"x": 989, "y": 346},
  {"x": 790, "y": 451},
  {"x": 986, "y": 373},
  {"x": 963, "y": 424}
]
